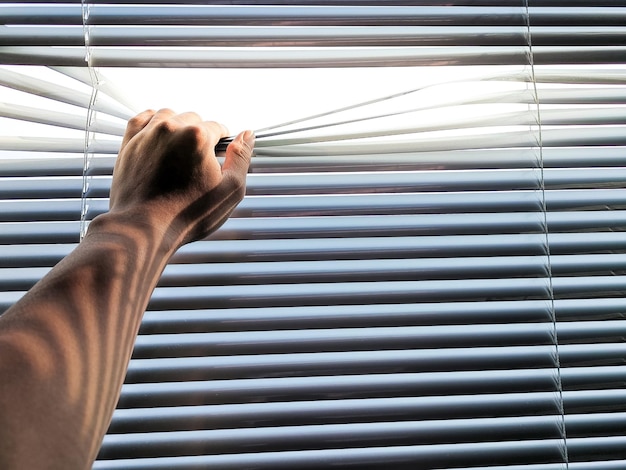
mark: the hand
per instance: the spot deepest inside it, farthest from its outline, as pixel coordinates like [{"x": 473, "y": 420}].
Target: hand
[{"x": 167, "y": 174}]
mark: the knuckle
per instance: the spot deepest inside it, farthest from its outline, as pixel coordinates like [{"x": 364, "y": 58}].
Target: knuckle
[
  {"x": 194, "y": 134},
  {"x": 165, "y": 126},
  {"x": 192, "y": 115},
  {"x": 166, "y": 111},
  {"x": 140, "y": 119},
  {"x": 241, "y": 150}
]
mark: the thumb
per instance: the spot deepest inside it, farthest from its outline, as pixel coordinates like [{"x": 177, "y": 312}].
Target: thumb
[{"x": 239, "y": 154}]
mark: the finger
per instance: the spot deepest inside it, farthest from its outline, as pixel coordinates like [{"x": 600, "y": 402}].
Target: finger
[
  {"x": 189, "y": 117},
  {"x": 215, "y": 132},
  {"x": 136, "y": 125},
  {"x": 238, "y": 154},
  {"x": 163, "y": 114}
]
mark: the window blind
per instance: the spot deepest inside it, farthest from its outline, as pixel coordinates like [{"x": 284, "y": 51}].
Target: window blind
[{"x": 428, "y": 274}]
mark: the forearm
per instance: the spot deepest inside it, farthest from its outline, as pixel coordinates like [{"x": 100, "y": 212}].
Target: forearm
[{"x": 65, "y": 346}]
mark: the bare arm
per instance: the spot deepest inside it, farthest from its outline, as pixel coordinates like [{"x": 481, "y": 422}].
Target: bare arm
[{"x": 65, "y": 346}]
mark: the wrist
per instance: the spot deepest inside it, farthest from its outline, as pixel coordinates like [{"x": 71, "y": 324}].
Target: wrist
[{"x": 135, "y": 230}]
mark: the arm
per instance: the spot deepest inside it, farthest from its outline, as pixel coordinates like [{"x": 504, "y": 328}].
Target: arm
[{"x": 65, "y": 346}]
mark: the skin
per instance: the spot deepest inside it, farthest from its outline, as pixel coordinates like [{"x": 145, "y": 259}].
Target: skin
[{"x": 65, "y": 346}]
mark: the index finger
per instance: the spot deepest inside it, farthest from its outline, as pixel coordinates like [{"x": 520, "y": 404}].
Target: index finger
[
  {"x": 215, "y": 132},
  {"x": 136, "y": 125}
]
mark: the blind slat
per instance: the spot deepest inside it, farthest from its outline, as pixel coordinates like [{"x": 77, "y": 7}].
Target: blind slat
[
  {"x": 331, "y": 411},
  {"x": 351, "y": 386},
  {"x": 330, "y": 436}
]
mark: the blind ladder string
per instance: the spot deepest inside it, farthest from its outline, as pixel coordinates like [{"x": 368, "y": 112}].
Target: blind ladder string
[
  {"x": 90, "y": 117},
  {"x": 544, "y": 208}
]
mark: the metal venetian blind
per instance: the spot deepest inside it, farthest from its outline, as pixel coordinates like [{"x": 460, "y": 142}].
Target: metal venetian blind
[{"x": 388, "y": 291}]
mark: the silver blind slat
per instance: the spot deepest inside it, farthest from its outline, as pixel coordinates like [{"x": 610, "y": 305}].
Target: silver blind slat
[
  {"x": 334, "y": 248},
  {"x": 575, "y": 15},
  {"x": 355, "y": 292},
  {"x": 350, "y": 386},
  {"x": 38, "y": 209},
  {"x": 217, "y": 251},
  {"x": 152, "y": 36},
  {"x": 583, "y": 448},
  {"x": 362, "y": 226},
  {"x": 421, "y": 224},
  {"x": 265, "y": 57},
  {"x": 575, "y": 354},
  {"x": 71, "y": 121},
  {"x": 243, "y": 15},
  {"x": 403, "y": 457},
  {"x": 350, "y": 183},
  {"x": 379, "y": 361},
  {"x": 331, "y": 436},
  {"x": 333, "y": 411},
  {"x": 66, "y": 165},
  {"x": 598, "y": 465},
  {"x": 286, "y": 341},
  {"x": 379, "y": 337},
  {"x": 343, "y": 316},
  {"x": 57, "y": 144},
  {"x": 287, "y": 36},
  {"x": 311, "y": 271}
]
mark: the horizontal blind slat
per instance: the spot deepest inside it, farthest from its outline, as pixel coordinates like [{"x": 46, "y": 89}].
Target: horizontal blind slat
[
  {"x": 271, "y": 342},
  {"x": 285, "y": 36},
  {"x": 351, "y": 386},
  {"x": 332, "y": 411},
  {"x": 287, "y": 438},
  {"x": 340, "y": 35},
  {"x": 265, "y": 57},
  {"x": 403, "y": 457},
  {"x": 253, "y": 14}
]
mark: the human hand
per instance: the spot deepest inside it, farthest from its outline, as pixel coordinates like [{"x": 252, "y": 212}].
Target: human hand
[{"x": 168, "y": 176}]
